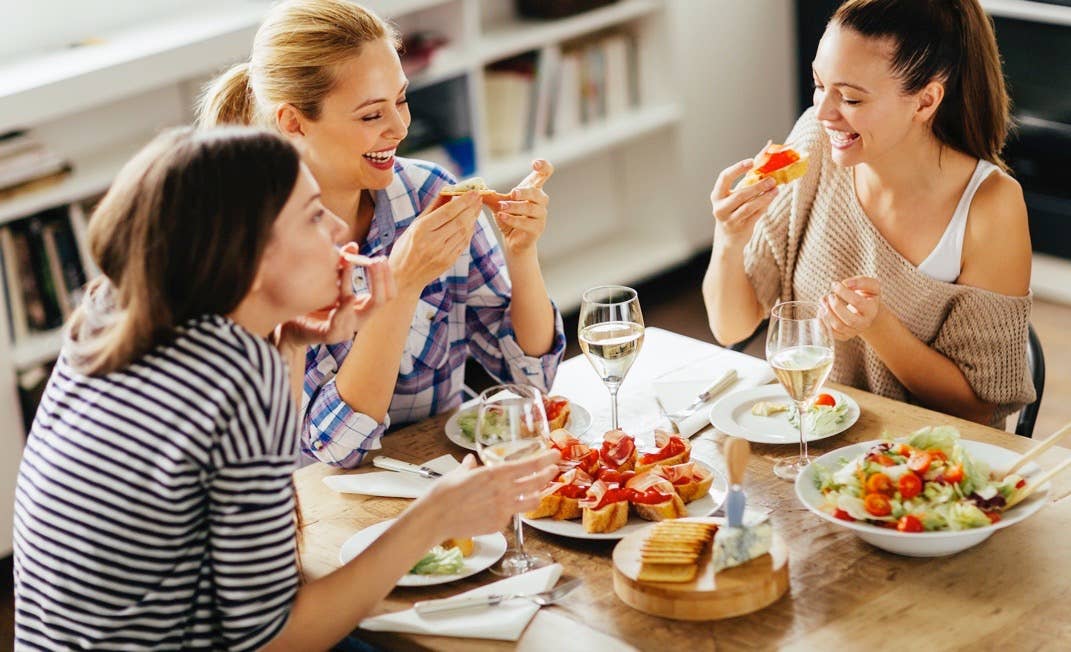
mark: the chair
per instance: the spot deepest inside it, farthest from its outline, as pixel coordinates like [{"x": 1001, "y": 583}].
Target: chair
[{"x": 1035, "y": 360}]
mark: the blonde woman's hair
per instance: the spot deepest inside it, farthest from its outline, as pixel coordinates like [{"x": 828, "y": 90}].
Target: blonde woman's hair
[
  {"x": 295, "y": 59},
  {"x": 179, "y": 234}
]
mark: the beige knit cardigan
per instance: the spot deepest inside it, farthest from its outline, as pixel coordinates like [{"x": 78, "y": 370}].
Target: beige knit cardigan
[{"x": 816, "y": 232}]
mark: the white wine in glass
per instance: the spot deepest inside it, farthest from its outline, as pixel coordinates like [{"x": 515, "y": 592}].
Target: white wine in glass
[
  {"x": 611, "y": 335},
  {"x": 511, "y": 426},
  {"x": 799, "y": 348}
]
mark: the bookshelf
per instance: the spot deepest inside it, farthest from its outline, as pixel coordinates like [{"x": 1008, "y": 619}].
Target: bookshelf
[{"x": 98, "y": 104}]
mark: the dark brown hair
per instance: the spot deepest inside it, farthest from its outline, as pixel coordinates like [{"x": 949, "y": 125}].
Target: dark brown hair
[
  {"x": 179, "y": 234},
  {"x": 951, "y": 41}
]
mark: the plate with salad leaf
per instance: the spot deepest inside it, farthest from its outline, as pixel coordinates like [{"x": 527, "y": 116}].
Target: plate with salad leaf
[
  {"x": 766, "y": 415},
  {"x": 441, "y": 564},
  {"x": 461, "y": 426}
]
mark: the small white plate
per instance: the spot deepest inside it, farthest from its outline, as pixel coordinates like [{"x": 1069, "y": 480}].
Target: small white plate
[
  {"x": 732, "y": 415},
  {"x": 575, "y": 529},
  {"x": 489, "y": 548},
  {"x": 578, "y": 423}
]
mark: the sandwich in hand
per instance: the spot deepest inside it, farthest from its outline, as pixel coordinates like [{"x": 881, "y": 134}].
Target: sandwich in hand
[
  {"x": 690, "y": 480},
  {"x": 618, "y": 451},
  {"x": 780, "y": 162},
  {"x": 654, "y": 498},
  {"x": 672, "y": 449},
  {"x": 462, "y": 187},
  {"x": 605, "y": 508}
]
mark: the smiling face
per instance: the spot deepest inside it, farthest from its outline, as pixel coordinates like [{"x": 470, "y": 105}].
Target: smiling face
[
  {"x": 362, "y": 120},
  {"x": 299, "y": 271},
  {"x": 860, "y": 103}
]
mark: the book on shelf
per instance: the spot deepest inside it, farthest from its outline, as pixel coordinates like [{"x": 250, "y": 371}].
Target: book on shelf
[
  {"x": 31, "y": 384},
  {"x": 508, "y": 102},
  {"x": 24, "y": 160},
  {"x": 16, "y": 309}
]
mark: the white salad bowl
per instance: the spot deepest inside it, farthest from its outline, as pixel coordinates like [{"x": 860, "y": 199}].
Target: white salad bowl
[{"x": 921, "y": 544}]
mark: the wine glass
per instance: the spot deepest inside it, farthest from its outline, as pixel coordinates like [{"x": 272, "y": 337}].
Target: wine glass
[
  {"x": 611, "y": 335},
  {"x": 799, "y": 347},
  {"x": 511, "y": 425}
]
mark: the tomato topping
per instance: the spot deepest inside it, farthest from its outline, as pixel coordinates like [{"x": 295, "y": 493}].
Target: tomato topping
[
  {"x": 909, "y": 523},
  {"x": 842, "y": 515},
  {"x": 952, "y": 474},
  {"x": 674, "y": 447},
  {"x": 778, "y": 160},
  {"x": 650, "y": 497},
  {"x": 615, "y": 495},
  {"x": 553, "y": 407},
  {"x": 589, "y": 462},
  {"x": 877, "y": 504},
  {"x": 882, "y": 459},
  {"x": 615, "y": 454},
  {"x": 826, "y": 399},
  {"x": 573, "y": 491},
  {"x": 920, "y": 461},
  {"x": 613, "y": 475},
  {"x": 879, "y": 483},
  {"x": 1020, "y": 484},
  {"x": 994, "y": 517},
  {"x": 910, "y": 485},
  {"x": 938, "y": 455}
]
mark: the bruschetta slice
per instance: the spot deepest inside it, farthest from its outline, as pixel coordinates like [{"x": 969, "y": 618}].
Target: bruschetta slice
[{"x": 671, "y": 449}]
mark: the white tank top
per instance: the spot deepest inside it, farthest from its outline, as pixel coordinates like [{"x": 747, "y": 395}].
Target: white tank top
[{"x": 945, "y": 261}]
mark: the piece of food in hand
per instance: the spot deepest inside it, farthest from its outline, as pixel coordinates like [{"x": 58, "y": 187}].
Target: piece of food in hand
[
  {"x": 690, "y": 480},
  {"x": 466, "y": 545},
  {"x": 734, "y": 546},
  {"x": 618, "y": 451},
  {"x": 671, "y": 449},
  {"x": 780, "y": 162},
  {"x": 557, "y": 410},
  {"x": 462, "y": 187},
  {"x": 605, "y": 508},
  {"x": 440, "y": 561},
  {"x": 768, "y": 408},
  {"x": 654, "y": 498}
]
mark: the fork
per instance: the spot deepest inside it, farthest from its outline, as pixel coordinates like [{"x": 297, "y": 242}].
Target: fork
[{"x": 543, "y": 598}]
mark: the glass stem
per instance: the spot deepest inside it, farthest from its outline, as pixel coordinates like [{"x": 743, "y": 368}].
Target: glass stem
[
  {"x": 613, "y": 405},
  {"x": 518, "y": 534},
  {"x": 801, "y": 409}
]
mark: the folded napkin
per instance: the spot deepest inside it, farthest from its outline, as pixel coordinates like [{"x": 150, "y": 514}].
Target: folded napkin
[
  {"x": 677, "y": 389},
  {"x": 390, "y": 484},
  {"x": 504, "y": 622}
]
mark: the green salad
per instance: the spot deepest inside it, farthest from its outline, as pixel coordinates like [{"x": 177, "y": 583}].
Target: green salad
[
  {"x": 494, "y": 422},
  {"x": 926, "y": 483},
  {"x": 440, "y": 561}
]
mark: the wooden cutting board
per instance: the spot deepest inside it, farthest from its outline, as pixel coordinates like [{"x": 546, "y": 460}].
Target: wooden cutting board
[{"x": 732, "y": 592}]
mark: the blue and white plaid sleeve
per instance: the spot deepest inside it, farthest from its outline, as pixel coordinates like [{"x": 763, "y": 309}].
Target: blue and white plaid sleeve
[
  {"x": 333, "y": 432},
  {"x": 491, "y": 338}
]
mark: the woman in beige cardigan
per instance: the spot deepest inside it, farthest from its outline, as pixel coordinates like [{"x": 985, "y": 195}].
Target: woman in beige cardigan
[{"x": 906, "y": 227}]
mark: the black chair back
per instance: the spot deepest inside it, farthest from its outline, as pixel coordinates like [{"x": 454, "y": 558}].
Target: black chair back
[{"x": 1035, "y": 360}]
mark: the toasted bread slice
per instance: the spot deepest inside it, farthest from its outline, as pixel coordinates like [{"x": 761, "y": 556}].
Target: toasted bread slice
[
  {"x": 465, "y": 545},
  {"x": 787, "y": 174},
  {"x": 693, "y": 490},
  {"x": 568, "y": 509},
  {"x": 608, "y": 518},
  {"x": 672, "y": 508},
  {"x": 680, "y": 458},
  {"x": 548, "y": 506},
  {"x": 562, "y": 418},
  {"x": 462, "y": 187},
  {"x": 790, "y": 165}
]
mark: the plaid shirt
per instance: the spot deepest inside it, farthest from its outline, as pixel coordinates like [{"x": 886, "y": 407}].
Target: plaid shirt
[{"x": 465, "y": 311}]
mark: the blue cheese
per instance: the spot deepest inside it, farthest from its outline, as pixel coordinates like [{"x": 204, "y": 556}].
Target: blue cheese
[{"x": 734, "y": 546}]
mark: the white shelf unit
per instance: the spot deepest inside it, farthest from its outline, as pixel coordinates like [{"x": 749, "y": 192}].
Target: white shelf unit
[{"x": 97, "y": 104}]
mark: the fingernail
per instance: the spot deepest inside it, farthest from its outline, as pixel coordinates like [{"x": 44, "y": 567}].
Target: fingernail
[{"x": 769, "y": 183}]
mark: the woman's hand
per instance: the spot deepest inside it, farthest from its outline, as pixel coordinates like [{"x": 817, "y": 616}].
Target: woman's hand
[
  {"x": 522, "y": 214},
  {"x": 851, "y": 308},
  {"x": 434, "y": 240},
  {"x": 475, "y": 500},
  {"x": 737, "y": 211},
  {"x": 342, "y": 320}
]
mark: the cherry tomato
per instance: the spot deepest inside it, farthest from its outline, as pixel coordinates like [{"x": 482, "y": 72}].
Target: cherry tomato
[
  {"x": 909, "y": 523},
  {"x": 993, "y": 516},
  {"x": 882, "y": 459},
  {"x": 1020, "y": 484},
  {"x": 842, "y": 515},
  {"x": 877, "y": 504},
  {"x": 952, "y": 474},
  {"x": 920, "y": 461},
  {"x": 826, "y": 399},
  {"x": 910, "y": 485},
  {"x": 879, "y": 483}
]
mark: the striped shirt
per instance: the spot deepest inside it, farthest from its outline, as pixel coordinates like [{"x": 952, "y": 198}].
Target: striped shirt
[
  {"x": 464, "y": 312},
  {"x": 154, "y": 506}
]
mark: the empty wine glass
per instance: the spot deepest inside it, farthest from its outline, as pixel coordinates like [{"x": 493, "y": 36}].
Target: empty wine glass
[
  {"x": 611, "y": 335},
  {"x": 511, "y": 425},
  {"x": 799, "y": 347}
]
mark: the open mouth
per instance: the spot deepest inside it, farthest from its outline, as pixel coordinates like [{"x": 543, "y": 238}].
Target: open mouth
[
  {"x": 842, "y": 139},
  {"x": 382, "y": 160}
]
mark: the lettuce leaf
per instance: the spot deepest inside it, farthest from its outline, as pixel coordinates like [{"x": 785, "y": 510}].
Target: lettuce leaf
[{"x": 942, "y": 438}]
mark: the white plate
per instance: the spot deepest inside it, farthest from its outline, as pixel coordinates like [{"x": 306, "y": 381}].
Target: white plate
[
  {"x": 575, "y": 529},
  {"x": 489, "y": 548},
  {"x": 578, "y": 423},
  {"x": 732, "y": 415},
  {"x": 922, "y": 544}
]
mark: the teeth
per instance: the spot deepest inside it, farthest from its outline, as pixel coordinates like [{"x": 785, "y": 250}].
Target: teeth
[
  {"x": 841, "y": 138},
  {"x": 380, "y": 157}
]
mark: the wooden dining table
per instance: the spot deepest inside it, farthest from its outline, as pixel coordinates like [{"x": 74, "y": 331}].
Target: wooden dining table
[{"x": 1011, "y": 592}]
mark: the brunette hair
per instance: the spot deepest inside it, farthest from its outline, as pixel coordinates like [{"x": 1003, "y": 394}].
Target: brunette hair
[
  {"x": 179, "y": 234},
  {"x": 296, "y": 54},
  {"x": 950, "y": 41}
]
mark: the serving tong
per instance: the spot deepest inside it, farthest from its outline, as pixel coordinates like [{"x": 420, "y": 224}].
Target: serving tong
[{"x": 1036, "y": 481}]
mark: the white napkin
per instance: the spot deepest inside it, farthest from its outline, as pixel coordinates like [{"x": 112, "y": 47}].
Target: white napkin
[
  {"x": 505, "y": 622},
  {"x": 391, "y": 484},
  {"x": 677, "y": 389}
]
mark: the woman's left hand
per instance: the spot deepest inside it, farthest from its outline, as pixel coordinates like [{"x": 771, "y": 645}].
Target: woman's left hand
[
  {"x": 852, "y": 306},
  {"x": 522, "y": 214}
]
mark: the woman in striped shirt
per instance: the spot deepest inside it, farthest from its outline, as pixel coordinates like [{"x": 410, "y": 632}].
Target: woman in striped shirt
[{"x": 154, "y": 506}]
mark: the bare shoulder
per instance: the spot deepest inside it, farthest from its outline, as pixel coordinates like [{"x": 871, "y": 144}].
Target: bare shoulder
[{"x": 996, "y": 245}]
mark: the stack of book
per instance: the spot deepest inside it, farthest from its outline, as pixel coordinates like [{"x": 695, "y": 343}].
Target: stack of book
[
  {"x": 537, "y": 96},
  {"x": 26, "y": 164},
  {"x": 42, "y": 271}
]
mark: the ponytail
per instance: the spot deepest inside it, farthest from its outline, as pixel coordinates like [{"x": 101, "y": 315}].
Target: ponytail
[{"x": 228, "y": 100}]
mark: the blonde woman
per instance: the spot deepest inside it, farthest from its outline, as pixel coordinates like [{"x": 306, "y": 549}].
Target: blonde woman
[
  {"x": 326, "y": 75},
  {"x": 155, "y": 504},
  {"x": 907, "y": 227}
]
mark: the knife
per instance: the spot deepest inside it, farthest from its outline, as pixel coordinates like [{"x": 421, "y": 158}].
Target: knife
[
  {"x": 717, "y": 387},
  {"x": 392, "y": 464},
  {"x": 736, "y": 457}
]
